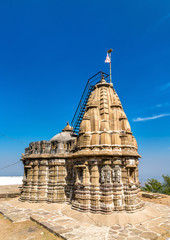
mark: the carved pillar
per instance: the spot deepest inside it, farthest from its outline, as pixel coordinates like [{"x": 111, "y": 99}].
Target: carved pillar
[
  {"x": 132, "y": 199},
  {"x": 81, "y": 199},
  {"x": 27, "y": 181},
  {"x": 106, "y": 199},
  {"x": 42, "y": 181},
  {"x": 60, "y": 183},
  {"x": 54, "y": 181},
  {"x": 51, "y": 179},
  {"x": 69, "y": 181},
  {"x": 85, "y": 191},
  {"x": 118, "y": 194},
  {"x": 94, "y": 189},
  {"x": 33, "y": 192}
]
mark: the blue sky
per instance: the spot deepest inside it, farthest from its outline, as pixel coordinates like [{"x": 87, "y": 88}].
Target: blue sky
[{"x": 48, "y": 50}]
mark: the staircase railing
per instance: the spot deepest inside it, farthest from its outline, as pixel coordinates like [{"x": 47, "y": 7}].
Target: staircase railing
[{"x": 84, "y": 99}]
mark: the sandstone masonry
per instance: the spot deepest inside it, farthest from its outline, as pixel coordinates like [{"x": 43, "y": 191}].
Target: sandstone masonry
[{"x": 96, "y": 170}]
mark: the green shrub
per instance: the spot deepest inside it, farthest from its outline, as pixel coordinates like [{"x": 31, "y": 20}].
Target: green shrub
[{"x": 153, "y": 185}]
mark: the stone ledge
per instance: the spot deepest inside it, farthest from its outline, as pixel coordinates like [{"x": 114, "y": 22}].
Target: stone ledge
[
  {"x": 9, "y": 195},
  {"x": 49, "y": 227},
  {"x": 153, "y": 195}
]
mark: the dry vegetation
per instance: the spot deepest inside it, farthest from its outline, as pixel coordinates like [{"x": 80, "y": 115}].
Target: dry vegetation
[{"x": 23, "y": 231}]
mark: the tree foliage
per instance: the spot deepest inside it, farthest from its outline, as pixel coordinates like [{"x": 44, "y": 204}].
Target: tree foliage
[
  {"x": 166, "y": 184},
  {"x": 153, "y": 185}
]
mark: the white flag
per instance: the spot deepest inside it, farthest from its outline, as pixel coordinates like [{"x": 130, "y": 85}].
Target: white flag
[{"x": 107, "y": 59}]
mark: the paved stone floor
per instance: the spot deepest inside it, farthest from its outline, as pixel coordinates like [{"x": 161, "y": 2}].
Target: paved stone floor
[{"x": 73, "y": 229}]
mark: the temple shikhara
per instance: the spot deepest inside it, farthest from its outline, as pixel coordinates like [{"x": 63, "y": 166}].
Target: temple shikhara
[{"x": 92, "y": 164}]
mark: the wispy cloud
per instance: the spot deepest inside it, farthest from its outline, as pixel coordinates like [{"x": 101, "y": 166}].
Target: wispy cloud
[
  {"x": 158, "y": 105},
  {"x": 139, "y": 119},
  {"x": 166, "y": 104},
  {"x": 166, "y": 86},
  {"x": 163, "y": 19}
]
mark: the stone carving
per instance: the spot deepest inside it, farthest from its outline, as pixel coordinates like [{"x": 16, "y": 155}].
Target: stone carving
[
  {"x": 105, "y": 174},
  {"x": 101, "y": 161},
  {"x": 116, "y": 174}
]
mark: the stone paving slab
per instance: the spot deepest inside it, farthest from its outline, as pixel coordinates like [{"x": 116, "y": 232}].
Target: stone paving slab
[{"x": 72, "y": 229}]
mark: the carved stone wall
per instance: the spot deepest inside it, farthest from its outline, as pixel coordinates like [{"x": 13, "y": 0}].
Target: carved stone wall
[
  {"x": 44, "y": 180},
  {"x": 105, "y": 185}
]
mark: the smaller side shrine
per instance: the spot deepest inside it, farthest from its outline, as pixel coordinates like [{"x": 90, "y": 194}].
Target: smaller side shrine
[
  {"x": 45, "y": 167},
  {"x": 95, "y": 170}
]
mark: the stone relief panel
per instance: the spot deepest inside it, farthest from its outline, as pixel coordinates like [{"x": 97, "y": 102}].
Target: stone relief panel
[
  {"x": 105, "y": 174},
  {"x": 116, "y": 174},
  {"x": 130, "y": 162}
]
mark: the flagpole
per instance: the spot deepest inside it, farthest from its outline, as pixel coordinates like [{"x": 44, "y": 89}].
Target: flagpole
[
  {"x": 109, "y": 52},
  {"x": 110, "y": 69}
]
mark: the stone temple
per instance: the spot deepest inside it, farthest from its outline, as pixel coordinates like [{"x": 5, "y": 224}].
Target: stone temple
[{"x": 95, "y": 169}]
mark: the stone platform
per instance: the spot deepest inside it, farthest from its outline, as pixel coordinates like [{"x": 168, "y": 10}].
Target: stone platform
[
  {"x": 10, "y": 191},
  {"x": 150, "y": 223}
]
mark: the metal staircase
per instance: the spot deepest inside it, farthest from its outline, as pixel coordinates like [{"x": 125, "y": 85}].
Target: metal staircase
[{"x": 84, "y": 99}]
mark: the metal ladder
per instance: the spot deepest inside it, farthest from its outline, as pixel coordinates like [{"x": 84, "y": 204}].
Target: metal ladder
[{"x": 75, "y": 123}]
